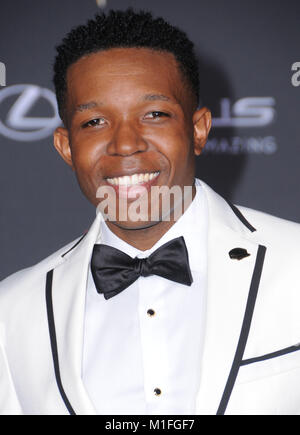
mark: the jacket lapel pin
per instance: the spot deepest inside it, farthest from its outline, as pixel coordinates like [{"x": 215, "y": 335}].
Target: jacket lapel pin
[{"x": 238, "y": 253}]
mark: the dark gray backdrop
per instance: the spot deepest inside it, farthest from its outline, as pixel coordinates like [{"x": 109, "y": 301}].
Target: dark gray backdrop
[{"x": 246, "y": 48}]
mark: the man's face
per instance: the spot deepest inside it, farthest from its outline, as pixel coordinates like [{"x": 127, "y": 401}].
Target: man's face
[{"x": 129, "y": 113}]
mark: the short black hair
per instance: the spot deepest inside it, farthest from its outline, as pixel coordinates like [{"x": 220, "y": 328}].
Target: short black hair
[{"x": 127, "y": 28}]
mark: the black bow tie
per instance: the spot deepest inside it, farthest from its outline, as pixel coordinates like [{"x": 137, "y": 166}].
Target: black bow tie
[{"x": 113, "y": 271}]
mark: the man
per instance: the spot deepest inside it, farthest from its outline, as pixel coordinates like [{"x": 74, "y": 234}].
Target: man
[{"x": 191, "y": 313}]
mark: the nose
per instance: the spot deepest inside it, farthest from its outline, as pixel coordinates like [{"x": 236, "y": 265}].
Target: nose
[{"x": 126, "y": 141}]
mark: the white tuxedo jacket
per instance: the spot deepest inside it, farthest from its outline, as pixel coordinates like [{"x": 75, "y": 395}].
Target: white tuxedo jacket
[{"x": 251, "y": 357}]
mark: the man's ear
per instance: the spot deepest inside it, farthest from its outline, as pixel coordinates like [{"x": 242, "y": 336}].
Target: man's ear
[
  {"x": 202, "y": 126},
  {"x": 62, "y": 145}
]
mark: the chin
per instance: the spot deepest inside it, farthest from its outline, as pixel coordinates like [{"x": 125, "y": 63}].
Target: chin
[{"x": 129, "y": 225}]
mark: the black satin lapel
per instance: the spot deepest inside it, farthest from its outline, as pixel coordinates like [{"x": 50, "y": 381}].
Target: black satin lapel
[
  {"x": 238, "y": 358},
  {"x": 53, "y": 341}
]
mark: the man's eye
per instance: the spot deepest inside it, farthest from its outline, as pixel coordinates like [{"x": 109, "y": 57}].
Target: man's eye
[
  {"x": 155, "y": 115},
  {"x": 94, "y": 123}
]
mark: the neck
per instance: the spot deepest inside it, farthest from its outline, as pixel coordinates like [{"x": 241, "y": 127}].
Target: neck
[{"x": 143, "y": 238}]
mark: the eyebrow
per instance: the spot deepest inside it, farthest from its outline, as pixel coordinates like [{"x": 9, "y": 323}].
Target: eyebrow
[
  {"x": 155, "y": 97},
  {"x": 148, "y": 97},
  {"x": 86, "y": 106}
]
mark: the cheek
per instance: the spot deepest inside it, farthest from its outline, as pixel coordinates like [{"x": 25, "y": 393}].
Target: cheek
[
  {"x": 86, "y": 161},
  {"x": 85, "y": 155},
  {"x": 179, "y": 152},
  {"x": 176, "y": 146}
]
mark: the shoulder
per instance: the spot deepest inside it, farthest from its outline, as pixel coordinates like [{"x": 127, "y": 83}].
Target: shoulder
[
  {"x": 271, "y": 229},
  {"x": 30, "y": 277}
]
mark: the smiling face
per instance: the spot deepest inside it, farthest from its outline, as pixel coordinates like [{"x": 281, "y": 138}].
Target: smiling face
[{"x": 131, "y": 122}]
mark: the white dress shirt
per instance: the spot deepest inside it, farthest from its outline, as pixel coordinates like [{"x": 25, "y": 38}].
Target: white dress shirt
[{"x": 137, "y": 363}]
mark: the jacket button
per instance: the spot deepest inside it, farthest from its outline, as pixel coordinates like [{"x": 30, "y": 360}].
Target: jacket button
[
  {"x": 157, "y": 392},
  {"x": 238, "y": 253}
]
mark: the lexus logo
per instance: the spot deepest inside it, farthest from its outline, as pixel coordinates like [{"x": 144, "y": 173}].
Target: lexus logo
[
  {"x": 2, "y": 74},
  {"x": 18, "y": 125},
  {"x": 246, "y": 112}
]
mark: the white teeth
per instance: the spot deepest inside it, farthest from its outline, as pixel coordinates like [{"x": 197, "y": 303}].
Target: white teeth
[
  {"x": 133, "y": 179},
  {"x": 124, "y": 180}
]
